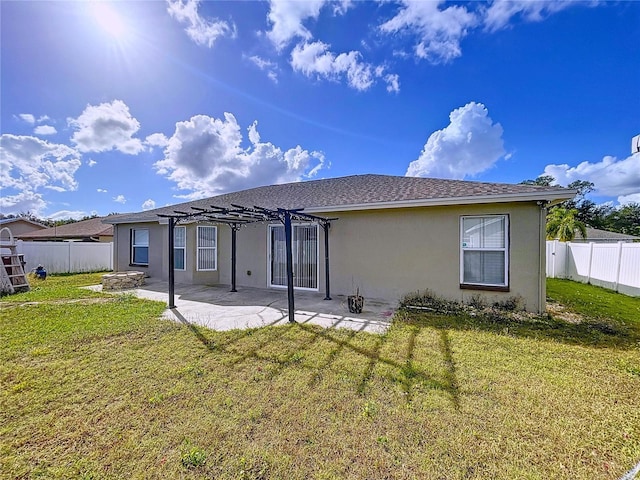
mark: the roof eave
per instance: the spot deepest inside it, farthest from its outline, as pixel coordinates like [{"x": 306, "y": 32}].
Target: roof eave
[
  {"x": 550, "y": 198},
  {"x": 130, "y": 220}
]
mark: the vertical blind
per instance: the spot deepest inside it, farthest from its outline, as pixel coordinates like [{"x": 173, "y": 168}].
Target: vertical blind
[{"x": 305, "y": 256}]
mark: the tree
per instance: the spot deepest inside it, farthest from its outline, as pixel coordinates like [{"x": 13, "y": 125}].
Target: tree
[
  {"x": 621, "y": 219},
  {"x": 541, "y": 181},
  {"x": 563, "y": 225},
  {"x": 625, "y": 219}
]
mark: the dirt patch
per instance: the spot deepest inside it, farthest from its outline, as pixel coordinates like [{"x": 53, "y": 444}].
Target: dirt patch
[
  {"x": 559, "y": 311},
  {"x": 84, "y": 301}
]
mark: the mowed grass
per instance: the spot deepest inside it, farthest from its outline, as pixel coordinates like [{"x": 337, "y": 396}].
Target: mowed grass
[{"x": 98, "y": 386}]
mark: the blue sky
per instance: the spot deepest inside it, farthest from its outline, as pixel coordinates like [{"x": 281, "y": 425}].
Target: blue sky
[{"x": 125, "y": 106}]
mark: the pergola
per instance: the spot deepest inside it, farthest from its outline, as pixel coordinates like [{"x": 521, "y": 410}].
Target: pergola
[{"x": 238, "y": 216}]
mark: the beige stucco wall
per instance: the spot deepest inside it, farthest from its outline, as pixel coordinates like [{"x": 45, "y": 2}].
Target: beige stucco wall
[
  {"x": 20, "y": 227},
  {"x": 385, "y": 253},
  {"x": 390, "y": 253}
]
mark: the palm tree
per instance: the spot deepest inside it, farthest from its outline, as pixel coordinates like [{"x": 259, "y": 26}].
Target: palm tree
[{"x": 563, "y": 224}]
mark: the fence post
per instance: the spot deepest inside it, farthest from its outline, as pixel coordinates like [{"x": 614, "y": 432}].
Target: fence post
[
  {"x": 618, "y": 265},
  {"x": 590, "y": 262}
]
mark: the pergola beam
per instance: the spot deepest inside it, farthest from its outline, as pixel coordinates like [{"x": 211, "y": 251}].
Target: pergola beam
[{"x": 235, "y": 218}]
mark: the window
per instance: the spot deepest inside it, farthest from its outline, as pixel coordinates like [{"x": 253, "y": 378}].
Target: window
[
  {"x": 207, "y": 248},
  {"x": 140, "y": 246},
  {"x": 179, "y": 248},
  {"x": 484, "y": 251}
]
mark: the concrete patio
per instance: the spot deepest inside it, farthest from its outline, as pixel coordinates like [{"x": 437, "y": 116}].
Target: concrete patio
[{"x": 217, "y": 308}]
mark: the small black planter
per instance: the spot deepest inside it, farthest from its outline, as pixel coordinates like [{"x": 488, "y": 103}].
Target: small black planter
[{"x": 355, "y": 303}]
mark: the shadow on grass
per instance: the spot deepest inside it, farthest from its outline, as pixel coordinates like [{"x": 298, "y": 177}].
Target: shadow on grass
[
  {"x": 409, "y": 375},
  {"x": 596, "y": 333}
]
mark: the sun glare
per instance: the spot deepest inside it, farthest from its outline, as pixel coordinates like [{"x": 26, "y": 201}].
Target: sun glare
[{"x": 109, "y": 20}]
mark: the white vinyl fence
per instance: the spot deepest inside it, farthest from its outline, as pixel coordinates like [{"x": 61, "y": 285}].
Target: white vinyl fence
[
  {"x": 67, "y": 257},
  {"x": 610, "y": 265}
]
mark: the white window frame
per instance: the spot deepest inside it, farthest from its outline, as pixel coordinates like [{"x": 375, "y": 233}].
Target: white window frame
[
  {"x": 180, "y": 247},
  {"x": 201, "y": 249},
  {"x": 505, "y": 250},
  {"x": 138, "y": 245},
  {"x": 269, "y": 250}
]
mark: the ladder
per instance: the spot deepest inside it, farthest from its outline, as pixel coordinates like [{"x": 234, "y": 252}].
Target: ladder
[{"x": 12, "y": 276}]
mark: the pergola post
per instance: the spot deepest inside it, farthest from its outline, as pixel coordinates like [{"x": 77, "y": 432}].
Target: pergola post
[
  {"x": 234, "y": 229},
  {"x": 327, "y": 292},
  {"x": 236, "y": 216},
  {"x": 289, "y": 254},
  {"x": 172, "y": 223}
]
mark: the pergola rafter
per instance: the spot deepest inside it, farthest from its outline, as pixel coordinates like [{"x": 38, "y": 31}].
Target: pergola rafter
[{"x": 238, "y": 216}]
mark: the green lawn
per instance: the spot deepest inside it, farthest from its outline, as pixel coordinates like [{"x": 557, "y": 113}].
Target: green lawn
[{"x": 96, "y": 386}]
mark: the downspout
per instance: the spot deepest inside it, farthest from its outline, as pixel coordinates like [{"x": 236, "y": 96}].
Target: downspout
[
  {"x": 542, "y": 262},
  {"x": 114, "y": 249},
  {"x": 171, "y": 279}
]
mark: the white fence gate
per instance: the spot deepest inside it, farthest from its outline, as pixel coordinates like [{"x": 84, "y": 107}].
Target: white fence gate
[
  {"x": 610, "y": 265},
  {"x": 67, "y": 257}
]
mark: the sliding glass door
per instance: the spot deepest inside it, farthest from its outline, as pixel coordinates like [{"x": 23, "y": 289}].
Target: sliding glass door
[{"x": 305, "y": 256}]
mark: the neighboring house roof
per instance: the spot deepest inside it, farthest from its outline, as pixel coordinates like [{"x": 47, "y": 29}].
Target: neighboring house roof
[
  {"x": 93, "y": 227},
  {"x": 5, "y": 222},
  {"x": 361, "y": 192},
  {"x": 596, "y": 235}
]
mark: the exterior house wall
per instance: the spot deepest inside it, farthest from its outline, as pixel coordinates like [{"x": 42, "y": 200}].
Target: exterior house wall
[
  {"x": 157, "y": 249},
  {"x": 385, "y": 253},
  {"x": 389, "y": 253},
  {"x": 21, "y": 227}
]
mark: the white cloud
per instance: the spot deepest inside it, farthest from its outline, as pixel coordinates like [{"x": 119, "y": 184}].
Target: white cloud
[
  {"x": 315, "y": 59},
  {"x": 27, "y": 201},
  {"x": 45, "y": 130},
  {"x": 120, "y": 199},
  {"x": 106, "y": 127},
  {"x": 393, "y": 83},
  {"x": 43, "y": 118},
  {"x": 91, "y": 162},
  {"x": 29, "y": 163},
  {"x": 469, "y": 145},
  {"x": 67, "y": 214},
  {"x": 500, "y": 12},
  {"x": 439, "y": 31},
  {"x": 266, "y": 66},
  {"x": 149, "y": 204},
  {"x": 205, "y": 157},
  {"x": 157, "y": 140},
  {"x": 101, "y": 190},
  {"x": 27, "y": 117},
  {"x": 611, "y": 177},
  {"x": 633, "y": 198},
  {"x": 286, "y": 17},
  {"x": 200, "y": 30}
]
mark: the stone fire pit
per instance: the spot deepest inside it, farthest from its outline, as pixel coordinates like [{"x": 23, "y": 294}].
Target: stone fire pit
[{"x": 122, "y": 280}]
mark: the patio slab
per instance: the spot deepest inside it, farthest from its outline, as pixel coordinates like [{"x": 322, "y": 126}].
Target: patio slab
[{"x": 217, "y": 308}]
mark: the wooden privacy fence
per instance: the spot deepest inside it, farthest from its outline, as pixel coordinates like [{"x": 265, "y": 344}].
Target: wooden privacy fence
[
  {"x": 611, "y": 265},
  {"x": 67, "y": 257}
]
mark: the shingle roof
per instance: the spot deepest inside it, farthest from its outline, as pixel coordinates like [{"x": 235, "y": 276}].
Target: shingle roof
[
  {"x": 93, "y": 227},
  {"x": 597, "y": 234},
  {"x": 6, "y": 221},
  {"x": 351, "y": 191}
]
